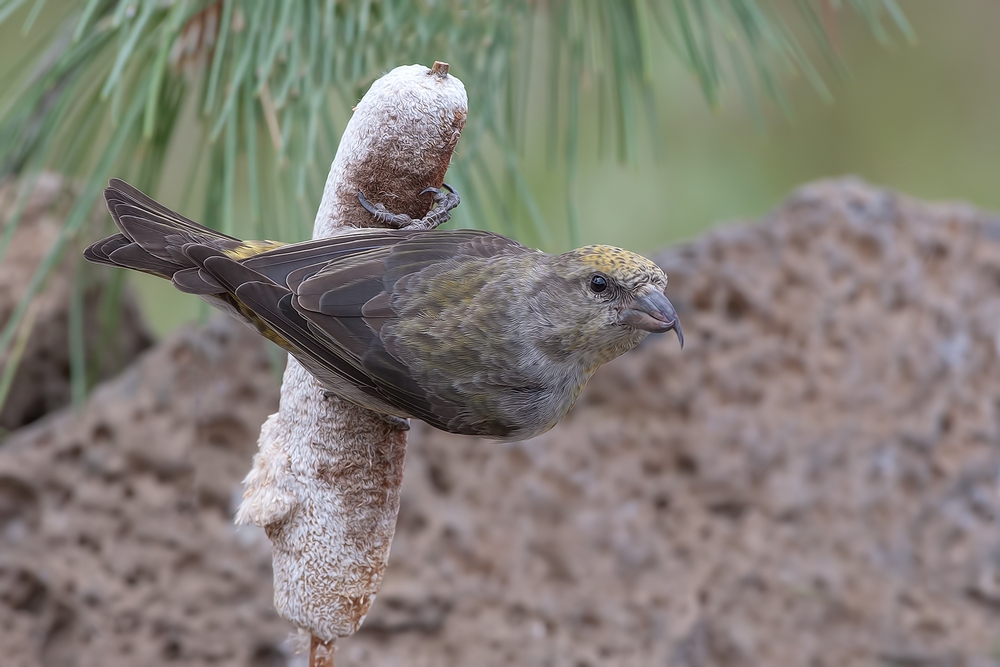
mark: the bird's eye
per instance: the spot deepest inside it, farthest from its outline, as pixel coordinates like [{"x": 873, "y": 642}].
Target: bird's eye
[{"x": 598, "y": 284}]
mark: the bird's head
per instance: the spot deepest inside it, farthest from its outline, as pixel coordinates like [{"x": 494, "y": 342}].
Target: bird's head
[{"x": 612, "y": 299}]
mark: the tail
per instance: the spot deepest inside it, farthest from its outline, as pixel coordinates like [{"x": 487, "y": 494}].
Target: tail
[{"x": 153, "y": 240}]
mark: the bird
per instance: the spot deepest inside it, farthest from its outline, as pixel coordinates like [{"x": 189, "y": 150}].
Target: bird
[{"x": 467, "y": 330}]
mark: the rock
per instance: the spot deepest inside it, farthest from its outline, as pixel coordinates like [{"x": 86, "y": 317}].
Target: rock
[
  {"x": 117, "y": 545},
  {"x": 42, "y": 381}
]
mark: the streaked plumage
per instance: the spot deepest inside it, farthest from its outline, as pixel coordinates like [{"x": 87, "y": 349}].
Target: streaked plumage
[{"x": 469, "y": 331}]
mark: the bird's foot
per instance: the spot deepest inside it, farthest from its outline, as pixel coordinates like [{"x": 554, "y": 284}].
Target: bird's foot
[{"x": 445, "y": 199}]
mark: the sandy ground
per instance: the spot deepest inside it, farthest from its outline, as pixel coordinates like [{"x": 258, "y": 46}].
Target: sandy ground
[{"x": 813, "y": 481}]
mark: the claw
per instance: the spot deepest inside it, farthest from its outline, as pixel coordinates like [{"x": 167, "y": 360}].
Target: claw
[
  {"x": 440, "y": 212},
  {"x": 367, "y": 205},
  {"x": 437, "y": 191}
]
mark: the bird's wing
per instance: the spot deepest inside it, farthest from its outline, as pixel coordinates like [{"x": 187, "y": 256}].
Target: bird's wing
[{"x": 332, "y": 297}]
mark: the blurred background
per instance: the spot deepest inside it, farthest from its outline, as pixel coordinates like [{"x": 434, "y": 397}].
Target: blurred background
[{"x": 814, "y": 480}]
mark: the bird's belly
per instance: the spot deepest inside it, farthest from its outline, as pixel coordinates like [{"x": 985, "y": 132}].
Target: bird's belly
[{"x": 548, "y": 408}]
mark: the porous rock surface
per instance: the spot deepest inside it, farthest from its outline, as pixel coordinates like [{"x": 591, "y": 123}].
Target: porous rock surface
[
  {"x": 117, "y": 545},
  {"x": 814, "y": 480}
]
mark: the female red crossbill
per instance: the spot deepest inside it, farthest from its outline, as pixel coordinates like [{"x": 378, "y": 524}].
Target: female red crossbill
[{"x": 467, "y": 330}]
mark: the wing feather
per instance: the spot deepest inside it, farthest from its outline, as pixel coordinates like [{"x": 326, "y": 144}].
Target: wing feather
[
  {"x": 196, "y": 281},
  {"x": 271, "y": 303},
  {"x": 307, "y": 258}
]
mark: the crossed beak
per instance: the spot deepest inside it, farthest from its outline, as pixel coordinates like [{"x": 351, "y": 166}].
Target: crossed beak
[{"x": 653, "y": 312}]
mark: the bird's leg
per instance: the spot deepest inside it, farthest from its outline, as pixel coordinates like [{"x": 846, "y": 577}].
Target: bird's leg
[{"x": 439, "y": 214}]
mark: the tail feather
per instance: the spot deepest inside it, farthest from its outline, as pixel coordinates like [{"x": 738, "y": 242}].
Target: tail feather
[
  {"x": 156, "y": 240},
  {"x": 152, "y": 238},
  {"x": 119, "y": 192},
  {"x": 133, "y": 256},
  {"x": 100, "y": 252}
]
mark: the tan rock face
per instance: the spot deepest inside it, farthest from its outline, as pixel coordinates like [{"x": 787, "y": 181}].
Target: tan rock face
[
  {"x": 812, "y": 481},
  {"x": 117, "y": 545}
]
